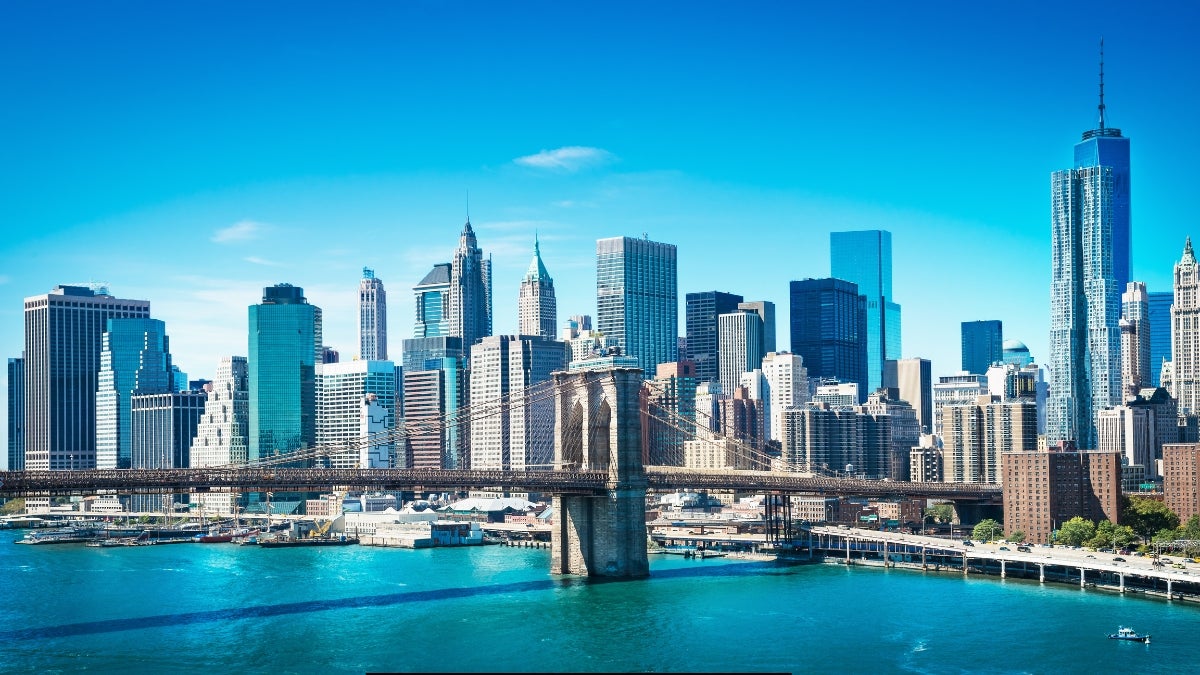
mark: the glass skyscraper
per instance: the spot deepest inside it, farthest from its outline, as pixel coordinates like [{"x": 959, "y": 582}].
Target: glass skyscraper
[
  {"x": 134, "y": 359},
  {"x": 637, "y": 299},
  {"x": 864, "y": 258},
  {"x": 828, "y": 330},
  {"x": 982, "y": 345},
  {"x": 1160, "y": 333},
  {"x": 433, "y": 303},
  {"x": 16, "y": 414},
  {"x": 285, "y": 346},
  {"x": 702, "y": 310},
  {"x": 372, "y": 317}
]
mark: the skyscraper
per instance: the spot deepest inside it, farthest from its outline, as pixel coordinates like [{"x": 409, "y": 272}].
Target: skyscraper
[
  {"x": 16, "y": 414},
  {"x": 285, "y": 346},
  {"x": 637, "y": 298},
  {"x": 162, "y": 426},
  {"x": 977, "y": 434},
  {"x": 982, "y": 345},
  {"x": 1160, "y": 333},
  {"x": 765, "y": 310},
  {"x": 63, "y": 334},
  {"x": 740, "y": 337},
  {"x": 372, "y": 318},
  {"x": 222, "y": 435},
  {"x": 470, "y": 290},
  {"x": 913, "y": 381},
  {"x": 1135, "y": 339},
  {"x": 829, "y": 330},
  {"x": 536, "y": 305},
  {"x": 702, "y": 310},
  {"x": 787, "y": 386},
  {"x": 865, "y": 259},
  {"x": 134, "y": 359},
  {"x": 1185, "y": 333},
  {"x": 343, "y": 389},
  {"x": 433, "y": 303}
]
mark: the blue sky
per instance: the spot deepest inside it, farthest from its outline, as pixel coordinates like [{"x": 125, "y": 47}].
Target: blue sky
[{"x": 192, "y": 153}]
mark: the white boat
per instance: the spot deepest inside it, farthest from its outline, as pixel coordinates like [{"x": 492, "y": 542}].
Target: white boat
[{"x": 1129, "y": 634}]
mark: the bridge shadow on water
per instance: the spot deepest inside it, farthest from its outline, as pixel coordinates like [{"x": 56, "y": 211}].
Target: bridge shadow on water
[{"x": 115, "y": 625}]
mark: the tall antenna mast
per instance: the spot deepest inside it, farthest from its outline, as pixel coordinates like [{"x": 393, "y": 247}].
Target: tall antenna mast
[
  {"x": 1101, "y": 124},
  {"x": 1101, "y": 83}
]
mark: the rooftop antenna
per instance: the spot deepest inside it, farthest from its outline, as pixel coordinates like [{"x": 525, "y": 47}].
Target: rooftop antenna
[
  {"x": 1101, "y": 82},
  {"x": 1101, "y": 124}
]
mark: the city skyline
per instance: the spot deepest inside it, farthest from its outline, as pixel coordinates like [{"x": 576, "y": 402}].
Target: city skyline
[{"x": 197, "y": 190}]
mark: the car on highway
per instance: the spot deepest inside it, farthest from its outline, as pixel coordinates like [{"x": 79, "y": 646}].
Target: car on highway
[
  {"x": 1023, "y": 549},
  {"x": 1118, "y": 559},
  {"x": 1090, "y": 555},
  {"x": 1004, "y": 548},
  {"x": 967, "y": 542}
]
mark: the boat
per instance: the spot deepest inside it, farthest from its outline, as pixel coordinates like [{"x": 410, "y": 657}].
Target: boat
[
  {"x": 285, "y": 542},
  {"x": 1130, "y": 635},
  {"x": 65, "y": 535}
]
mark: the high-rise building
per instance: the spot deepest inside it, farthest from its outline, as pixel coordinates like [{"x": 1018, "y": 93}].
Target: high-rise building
[
  {"x": 536, "y": 305},
  {"x": 343, "y": 391},
  {"x": 1159, "y": 316},
  {"x": 1016, "y": 353},
  {"x": 470, "y": 291},
  {"x": 913, "y": 381},
  {"x": 765, "y": 309},
  {"x": 703, "y": 347},
  {"x": 16, "y": 414},
  {"x": 982, "y": 345},
  {"x": 433, "y": 303},
  {"x": 1181, "y": 479},
  {"x": 372, "y": 318},
  {"x": 419, "y": 351},
  {"x": 904, "y": 435},
  {"x": 1135, "y": 339},
  {"x": 134, "y": 359},
  {"x": 671, "y": 418},
  {"x": 740, "y": 345},
  {"x": 829, "y": 329},
  {"x": 787, "y": 386},
  {"x": 637, "y": 298},
  {"x": 431, "y": 399},
  {"x": 741, "y": 419},
  {"x": 285, "y": 346},
  {"x": 1091, "y": 261},
  {"x": 976, "y": 435},
  {"x": 1043, "y": 490},
  {"x": 864, "y": 258},
  {"x": 1130, "y": 432},
  {"x": 961, "y": 389},
  {"x": 925, "y": 461},
  {"x": 63, "y": 335},
  {"x": 162, "y": 426},
  {"x": 519, "y": 436},
  {"x": 823, "y": 438},
  {"x": 223, "y": 433},
  {"x": 1185, "y": 333}
]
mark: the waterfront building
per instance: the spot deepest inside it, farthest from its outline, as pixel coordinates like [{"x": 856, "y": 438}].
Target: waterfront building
[
  {"x": 1129, "y": 431},
  {"x": 1181, "y": 479},
  {"x": 827, "y": 439},
  {"x": 470, "y": 307},
  {"x": 913, "y": 381},
  {"x": 432, "y": 300},
  {"x": 519, "y": 436},
  {"x": 372, "y": 318},
  {"x": 1043, "y": 490},
  {"x": 765, "y": 311},
  {"x": 536, "y": 306},
  {"x": 1159, "y": 317},
  {"x": 671, "y": 404},
  {"x": 64, "y": 331},
  {"x": 16, "y": 414},
  {"x": 703, "y": 346},
  {"x": 1135, "y": 339},
  {"x": 829, "y": 329},
  {"x": 162, "y": 426},
  {"x": 637, "y": 298},
  {"x": 285, "y": 346},
  {"x": 925, "y": 461},
  {"x": 223, "y": 432},
  {"x": 741, "y": 418},
  {"x": 905, "y": 433},
  {"x": 1185, "y": 333},
  {"x": 961, "y": 389},
  {"x": 355, "y": 401},
  {"x": 740, "y": 339},
  {"x": 982, "y": 345},
  {"x": 134, "y": 359},
  {"x": 1016, "y": 353},
  {"x": 786, "y": 381},
  {"x": 836, "y": 394},
  {"x": 976, "y": 436},
  {"x": 864, "y": 258}
]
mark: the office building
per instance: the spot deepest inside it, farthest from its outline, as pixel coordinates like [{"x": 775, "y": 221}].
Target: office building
[
  {"x": 16, "y": 414},
  {"x": 765, "y": 311},
  {"x": 1129, "y": 432},
  {"x": 913, "y": 381},
  {"x": 740, "y": 344},
  {"x": 537, "y": 308},
  {"x": 637, "y": 298},
  {"x": 891, "y": 462},
  {"x": 836, "y": 394},
  {"x": 741, "y": 419},
  {"x": 825, "y": 439},
  {"x": 223, "y": 432},
  {"x": 418, "y": 352},
  {"x": 829, "y": 330},
  {"x": 64, "y": 330},
  {"x": 432, "y": 301},
  {"x": 1016, "y": 353},
  {"x": 703, "y": 347},
  {"x": 1181, "y": 479},
  {"x": 134, "y": 359},
  {"x": 1135, "y": 339},
  {"x": 356, "y": 404},
  {"x": 1043, "y": 490},
  {"x": 372, "y": 318},
  {"x": 162, "y": 426},
  {"x": 329, "y": 355},
  {"x": 864, "y": 258},
  {"x": 1159, "y": 314},
  {"x": 470, "y": 306},
  {"x": 961, "y": 389},
  {"x": 982, "y": 345},
  {"x": 671, "y": 414},
  {"x": 1185, "y": 333},
  {"x": 925, "y": 461},
  {"x": 786, "y": 381},
  {"x": 975, "y": 436},
  {"x": 432, "y": 397},
  {"x": 285, "y": 347}
]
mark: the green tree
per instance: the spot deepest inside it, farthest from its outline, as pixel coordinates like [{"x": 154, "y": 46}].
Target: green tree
[
  {"x": 1190, "y": 529},
  {"x": 987, "y": 529},
  {"x": 1104, "y": 535},
  {"x": 13, "y": 506},
  {"x": 1075, "y": 531},
  {"x": 1148, "y": 517},
  {"x": 942, "y": 513},
  {"x": 1018, "y": 536}
]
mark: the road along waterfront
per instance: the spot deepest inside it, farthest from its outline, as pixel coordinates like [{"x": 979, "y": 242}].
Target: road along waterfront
[{"x": 353, "y": 609}]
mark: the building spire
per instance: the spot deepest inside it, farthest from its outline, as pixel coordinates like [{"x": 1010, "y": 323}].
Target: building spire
[
  {"x": 1102, "y": 83},
  {"x": 1188, "y": 255}
]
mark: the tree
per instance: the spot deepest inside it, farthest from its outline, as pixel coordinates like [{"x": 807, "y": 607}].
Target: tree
[
  {"x": 1075, "y": 531},
  {"x": 942, "y": 513},
  {"x": 13, "y": 507},
  {"x": 1018, "y": 536},
  {"x": 1148, "y": 517},
  {"x": 1123, "y": 536},
  {"x": 987, "y": 529},
  {"x": 1104, "y": 535},
  {"x": 1190, "y": 529}
]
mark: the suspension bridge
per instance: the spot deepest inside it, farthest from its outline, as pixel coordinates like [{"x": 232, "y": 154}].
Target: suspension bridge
[{"x": 596, "y": 440}]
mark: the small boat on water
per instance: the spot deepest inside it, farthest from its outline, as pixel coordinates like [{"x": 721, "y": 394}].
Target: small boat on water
[{"x": 1130, "y": 635}]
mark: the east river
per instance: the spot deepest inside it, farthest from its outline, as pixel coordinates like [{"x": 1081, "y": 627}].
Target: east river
[{"x": 223, "y": 608}]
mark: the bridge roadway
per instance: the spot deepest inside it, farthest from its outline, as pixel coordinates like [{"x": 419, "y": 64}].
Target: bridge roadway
[{"x": 158, "y": 481}]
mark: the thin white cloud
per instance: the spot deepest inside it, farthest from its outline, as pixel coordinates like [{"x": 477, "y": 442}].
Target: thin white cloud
[
  {"x": 567, "y": 159},
  {"x": 262, "y": 261},
  {"x": 244, "y": 230}
]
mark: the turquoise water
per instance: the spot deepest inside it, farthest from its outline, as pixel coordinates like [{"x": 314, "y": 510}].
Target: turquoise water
[{"x": 193, "y": 607}]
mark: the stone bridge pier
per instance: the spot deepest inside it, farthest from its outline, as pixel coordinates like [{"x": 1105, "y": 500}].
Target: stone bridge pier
[{"x": 598, "y": 428}]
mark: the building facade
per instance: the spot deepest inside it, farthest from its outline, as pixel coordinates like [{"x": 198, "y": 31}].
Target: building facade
[
  {"x": 536, "y": 306},
  {"x": 913, "y": 381},
  {"x": 1185, "y": 333},
  {"x": 982, "y": 345},
  {"x": 372, "y": 318},
  {"x": 740, "y": 338},
  {"x": 223, "y": 432},
  {"x": 134, "y": 359},
  {"x": 1043, "y": 490},
  {"x": 829, "y": 329},
  {"x": 703, "y": 346},
  {"x": 1129, "y": 432},
  {"x": 16, "y": 414},
  {"x": 1159, "y": 312},
  {"x": 787, "y": 386},
  {"x": 864, "y": 258},
  {"x": 1181, "y": 479},
  {"x": 470, "y": 306},
  {"x": 976, "y": 436},
  {"x": 671, "y": 414},
  {"x": 432, "y": 302},
  {"x": 343, "y": 391},
  {"x": 1135, "y": 339},
  {"x": 637, "y": 298}
]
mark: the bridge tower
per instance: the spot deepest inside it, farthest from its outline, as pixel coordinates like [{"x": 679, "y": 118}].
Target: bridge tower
[{"x": 598, "y": 428}]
